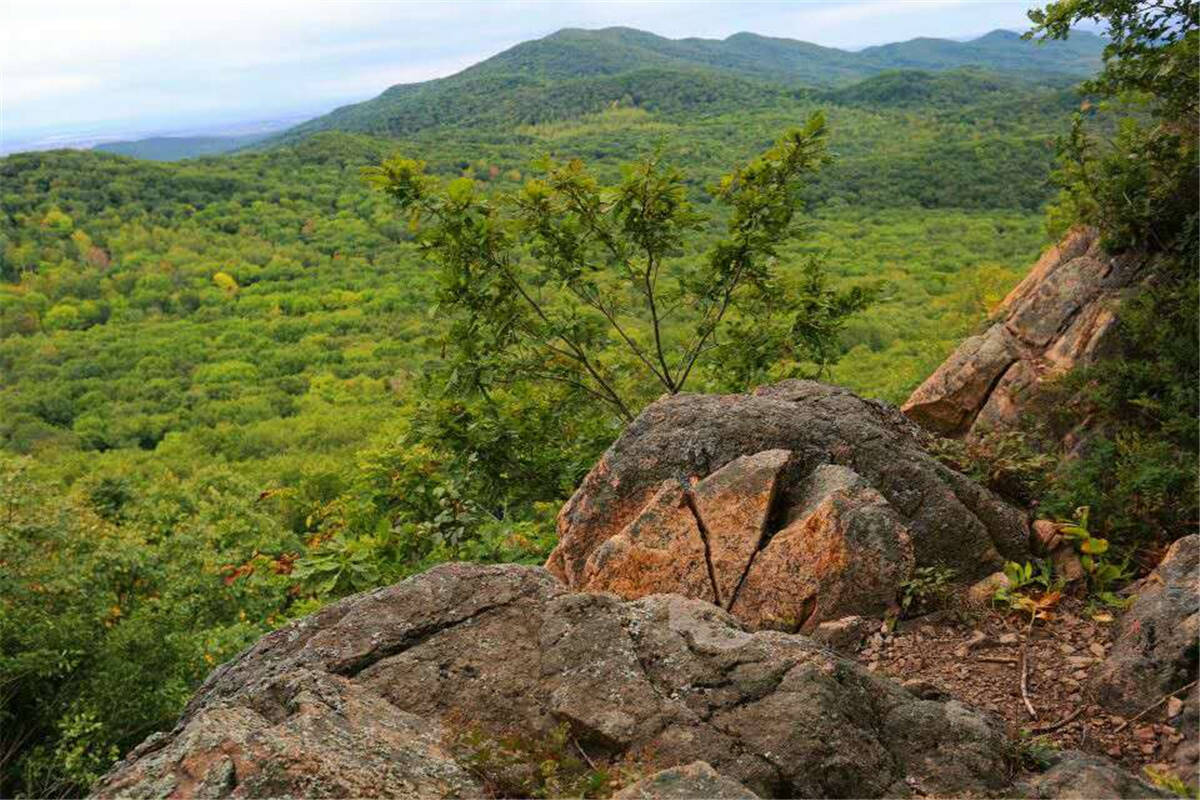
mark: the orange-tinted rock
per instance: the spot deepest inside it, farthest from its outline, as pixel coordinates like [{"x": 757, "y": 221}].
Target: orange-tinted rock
[
  {"x": 845, "y": 551},
  {"x": 951, "y": 520},
  {"x": 660, "y": 551},
  {"x": 734, "y": 504},
  {"x": 1060, "y": 316}
]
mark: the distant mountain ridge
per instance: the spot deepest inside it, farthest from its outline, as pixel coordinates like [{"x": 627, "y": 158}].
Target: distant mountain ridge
[
  {"x": 173, "y": 148},
  {"x": 576, "y": 71}
]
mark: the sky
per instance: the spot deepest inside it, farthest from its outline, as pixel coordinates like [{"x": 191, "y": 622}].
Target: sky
[{"x": 70, "y": 69}]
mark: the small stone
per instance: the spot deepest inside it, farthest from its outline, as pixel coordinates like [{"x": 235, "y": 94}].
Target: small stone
[
  {"x": 1146, "y": 733},
  {"x": 1097, "y": 649},
  {"x": 925, "y": 689},
  {"x": 981, "y": 593},
  {"x": 1066, "y": 649},
  {"x": 1081, "y": 661},
  {"x": 977, "y": 638},
  {"x": 1067, "y": 564},
  {"x": 1008, "y": 638},
  {"x": 1174, "y": 707},
  {"x": 1080, "y": 674},
  {"x": 1148, "y": 749},
  {"x": 1114, "y": 751},
  {"x": 1075, "y": 697},
  {"x": 1045, "y": 535},
  {"x": 845, "y": 635}
]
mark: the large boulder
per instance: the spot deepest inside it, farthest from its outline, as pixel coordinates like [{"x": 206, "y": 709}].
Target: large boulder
[
  {"x": 1062, "y": 315},
  {"x": 1156, "y": 651},
  {"x": 1078, "y": 776},
  {"x": 794, "y": 505},
  {"x": 1157, "y": 643},
  {"x": 369, "y": 696}
]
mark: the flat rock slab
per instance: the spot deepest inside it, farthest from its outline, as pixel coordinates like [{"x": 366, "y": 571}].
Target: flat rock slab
[{"x": 361, "y": 698}]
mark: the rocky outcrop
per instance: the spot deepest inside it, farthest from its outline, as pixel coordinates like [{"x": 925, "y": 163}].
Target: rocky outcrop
[
  {"x": 1156, "y": 651},
  {"x": 365, "y": 697},
  {"x": 791, "y": 506},
  {"x": 1157, "y": 644},
  {"x": 1059, "y": 317}
]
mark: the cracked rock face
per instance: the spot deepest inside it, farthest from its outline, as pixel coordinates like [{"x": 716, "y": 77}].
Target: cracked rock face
[
  {"x": 1060, "y": 316},
  {"x": 797, "y": 504},
  {"x": 360, "y": 699}
]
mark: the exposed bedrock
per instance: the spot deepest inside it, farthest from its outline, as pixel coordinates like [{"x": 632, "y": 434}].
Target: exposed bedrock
[
  {"x": 363, "y": 699},
  {"x": 1062, "y": 315},
  {"x": 790, "y": 506}
]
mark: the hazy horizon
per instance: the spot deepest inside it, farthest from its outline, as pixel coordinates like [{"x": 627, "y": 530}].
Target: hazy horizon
[{"x": 133, "y": 70}]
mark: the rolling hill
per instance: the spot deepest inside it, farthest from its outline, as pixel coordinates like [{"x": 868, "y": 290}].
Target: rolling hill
[
  {"x": 173, "y": 148},
  {"x": 575, "y": 72}
]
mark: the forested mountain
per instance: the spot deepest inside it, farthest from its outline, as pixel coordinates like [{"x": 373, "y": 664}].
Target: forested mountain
[{"x": 574, "y": 72}]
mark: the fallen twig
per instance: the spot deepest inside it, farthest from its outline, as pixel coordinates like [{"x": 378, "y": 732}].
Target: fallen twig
[
  {"x": 1025, "y": 668},
  {"x": 583, "y": 753},
  {"x": 1152, "y": 706},
  {"x": 1067, "y": 720}
]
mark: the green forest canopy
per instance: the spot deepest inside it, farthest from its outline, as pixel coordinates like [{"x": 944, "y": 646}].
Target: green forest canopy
[{"x": 218, "y": 377}]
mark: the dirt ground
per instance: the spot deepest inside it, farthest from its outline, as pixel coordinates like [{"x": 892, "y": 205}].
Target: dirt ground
[{"x": 978, "y": 661}]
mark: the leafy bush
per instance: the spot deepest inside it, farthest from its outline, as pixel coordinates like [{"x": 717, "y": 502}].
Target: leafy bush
[
  {"x": 105, "y": 628},
  {"x": 928, "y": 589},
  {"x": 1009, "y": 462}
]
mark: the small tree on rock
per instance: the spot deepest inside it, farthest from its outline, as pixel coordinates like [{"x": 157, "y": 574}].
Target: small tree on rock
[{"x": 598, "y": 288}]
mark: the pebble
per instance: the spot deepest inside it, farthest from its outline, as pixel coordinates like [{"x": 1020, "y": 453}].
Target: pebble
[
  {"x": 1080, "y": 661},
  {"x": 1008, "y": 638},
  {"x": 1174, "y": 707},
  {"x": 1066, "y": 649},
  {"x": 1097, "y": 649},
  {"x": 1080, "y": 675},
  {"x": 1114, "y": 751}
]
